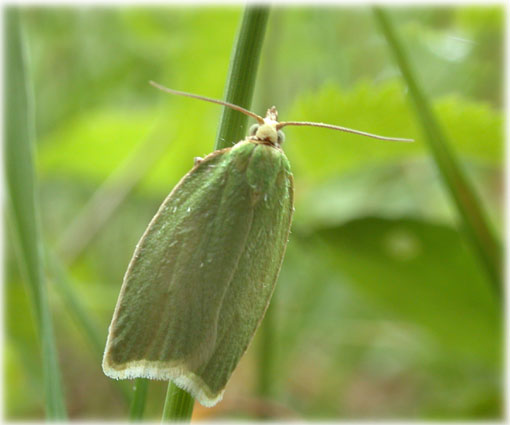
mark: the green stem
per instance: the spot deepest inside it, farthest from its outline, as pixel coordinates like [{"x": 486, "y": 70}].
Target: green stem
[
  {"x": 139, "y": 397},
  {"x": 469, "y": 207},
  {"x": 266, "y": 353},
  {"x": 178, "y": 405},
  {"x": 239, "y": 90},
  {"x": 23, "y": 208},
  {"x": 242, "y": 75}
]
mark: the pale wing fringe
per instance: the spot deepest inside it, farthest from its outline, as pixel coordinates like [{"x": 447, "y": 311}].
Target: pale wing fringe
[{"x": 165, "y": 371}]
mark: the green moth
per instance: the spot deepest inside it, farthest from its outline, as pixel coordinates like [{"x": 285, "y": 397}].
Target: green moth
[{"x": 203, "y": 273}]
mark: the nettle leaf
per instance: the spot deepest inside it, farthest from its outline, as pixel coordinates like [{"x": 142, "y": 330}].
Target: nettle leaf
[
  {"x": 475, "y": 128},
  {"x": 401, "y": 188},
  {"x": 423, "y": 273}
]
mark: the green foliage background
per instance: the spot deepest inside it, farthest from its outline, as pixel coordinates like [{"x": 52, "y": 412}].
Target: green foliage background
[{"x": 381, "y": 310}]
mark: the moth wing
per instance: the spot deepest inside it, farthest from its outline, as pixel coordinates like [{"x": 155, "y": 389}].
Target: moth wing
[
  {"x": 246, "y": 301},
  {"x": 167, "y": 313},
  {"x": 203, "y": 273}
]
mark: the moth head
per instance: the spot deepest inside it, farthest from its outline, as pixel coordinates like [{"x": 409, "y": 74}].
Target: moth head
[{"x": 268, "y": 131}]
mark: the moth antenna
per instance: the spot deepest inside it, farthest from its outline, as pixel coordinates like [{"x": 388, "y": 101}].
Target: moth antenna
[
  {"x": 209, "y": 99},
  {"x": 344, "y": 129}
]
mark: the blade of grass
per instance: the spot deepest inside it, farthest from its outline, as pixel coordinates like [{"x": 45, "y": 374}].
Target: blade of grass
[
  {"x": 178, "y": 405},
  {"x": 139, "y": 397},
  {"x": 23, "y": 208},
  {"x": 266, "y": 354},
  {"x": 239, "y": 90},
  {"x": 242, "y": 75},
  {"x": 469, "y": 207}
]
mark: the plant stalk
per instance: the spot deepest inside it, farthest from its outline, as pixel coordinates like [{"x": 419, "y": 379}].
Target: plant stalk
[
  {"x": 242, "y": 75},
  {"x": 139, "y": 398},
  {"x": 22, "y": 206},
  {"x": 178, "y": 405}
]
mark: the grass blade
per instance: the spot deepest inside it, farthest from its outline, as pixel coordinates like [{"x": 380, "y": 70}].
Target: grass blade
[
  {"x": 242, "y": 75},
  {"x": 266, "y": 354},
  {"x": 178, "y": 405},
  {"x": 469, "y": 207},
  {"x": 139, "y": 397},
  {"x": 239, "y": 90},
  {"x": 23, "y": 208}
]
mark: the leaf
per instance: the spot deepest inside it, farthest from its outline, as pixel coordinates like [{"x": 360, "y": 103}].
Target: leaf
[
  {"x": 425, "y": 274},
  {"x": 404, "y": 188},
  {"x": 476, "y": 130}
]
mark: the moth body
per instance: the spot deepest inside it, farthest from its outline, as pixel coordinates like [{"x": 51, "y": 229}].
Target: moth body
[{"x": 204, "y": 271}]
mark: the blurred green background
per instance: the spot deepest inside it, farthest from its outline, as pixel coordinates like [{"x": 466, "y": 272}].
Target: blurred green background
[{"x": 381, "y": 309}]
